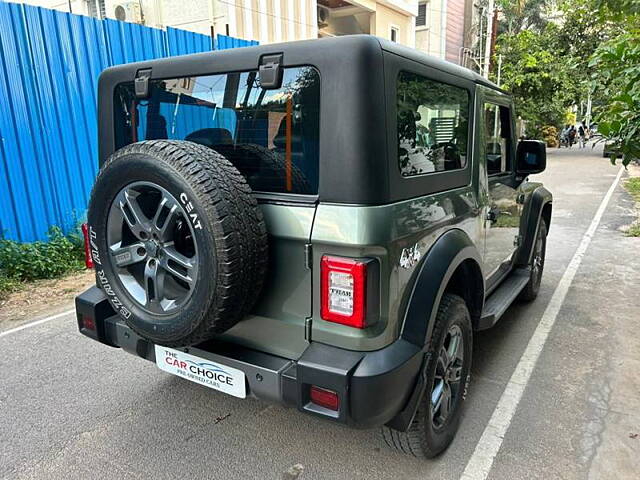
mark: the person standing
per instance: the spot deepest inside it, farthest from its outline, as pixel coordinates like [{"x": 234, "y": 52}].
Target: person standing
[
  {"x": 582, "y": 135},
  {"x": 572, "y": 136}
]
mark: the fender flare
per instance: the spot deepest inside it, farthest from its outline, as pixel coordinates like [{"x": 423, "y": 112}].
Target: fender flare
[
  {"x": 533, "y": 211},
  {"x": 436, "y": 269}
]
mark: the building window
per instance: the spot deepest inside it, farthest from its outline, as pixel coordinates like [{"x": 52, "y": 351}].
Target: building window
[
  {"x": 97, "y": 9},
  {"x": 421, "y": 19},
  {"x": 394, "y": 34}
]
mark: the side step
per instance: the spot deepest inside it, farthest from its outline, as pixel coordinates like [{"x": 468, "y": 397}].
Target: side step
[{"x": 503, "y": 297}]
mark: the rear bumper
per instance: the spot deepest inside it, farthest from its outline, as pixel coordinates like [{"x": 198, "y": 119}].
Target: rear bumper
[{"x": 373, "y": 387}]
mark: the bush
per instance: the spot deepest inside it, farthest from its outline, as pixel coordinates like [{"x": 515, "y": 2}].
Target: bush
[
  {"x": 550, "y": 135},
  {"x": 21, "y": 262},
  {"x": 7, "y": 285}
]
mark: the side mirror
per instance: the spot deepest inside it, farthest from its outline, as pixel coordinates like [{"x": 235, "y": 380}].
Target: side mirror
[{"x": 531, "y": 157}]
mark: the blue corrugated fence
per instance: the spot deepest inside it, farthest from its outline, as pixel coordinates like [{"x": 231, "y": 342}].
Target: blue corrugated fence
[{"x": 49, "y": 66}]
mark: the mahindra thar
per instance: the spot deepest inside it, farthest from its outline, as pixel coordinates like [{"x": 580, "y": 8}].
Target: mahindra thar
[{"x": 323, "y": 224}]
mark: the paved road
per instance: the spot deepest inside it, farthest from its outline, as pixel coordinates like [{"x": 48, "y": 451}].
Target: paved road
[{"x": 71, "y": 408}]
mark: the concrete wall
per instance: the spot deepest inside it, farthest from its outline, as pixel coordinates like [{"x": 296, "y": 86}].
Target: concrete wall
[
  {"x": 385, "y": 18},
  {"x": 455, "y": 29},
  {"x": 430, "y": 38}
]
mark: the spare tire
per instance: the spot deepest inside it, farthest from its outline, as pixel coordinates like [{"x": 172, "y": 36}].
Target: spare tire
[
  {"x": 264, "y": 169},
  {"x": 178, "y": 241}
]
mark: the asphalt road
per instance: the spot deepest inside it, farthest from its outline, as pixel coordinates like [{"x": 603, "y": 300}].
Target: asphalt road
[{"x": 71, "y": 408}]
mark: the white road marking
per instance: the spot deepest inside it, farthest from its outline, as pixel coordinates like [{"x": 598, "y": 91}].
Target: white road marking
[
  {"x": 481, "y": 461},
  {"x": 36, "y": 323}
]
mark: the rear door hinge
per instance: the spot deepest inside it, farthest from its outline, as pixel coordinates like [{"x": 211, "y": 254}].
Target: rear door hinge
[
  {"x": 141, "y": 83},
  {"x": 308, "y": 256},
  {"x": 307, "y": 329}
]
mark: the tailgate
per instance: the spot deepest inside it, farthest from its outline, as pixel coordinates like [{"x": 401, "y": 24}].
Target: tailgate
[{"x": 277, "y": 323}]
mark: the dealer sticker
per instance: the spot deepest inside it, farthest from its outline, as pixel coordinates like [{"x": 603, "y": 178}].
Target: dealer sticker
[{"x": 205, "y": 372}]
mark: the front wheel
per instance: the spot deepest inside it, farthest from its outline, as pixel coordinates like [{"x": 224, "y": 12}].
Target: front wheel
[
  {"x": 449, "y": 365},
  {"x": 536, "y": 265}
]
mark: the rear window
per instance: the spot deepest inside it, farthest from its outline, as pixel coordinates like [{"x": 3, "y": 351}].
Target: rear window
[{"x": 271, "y": 136}]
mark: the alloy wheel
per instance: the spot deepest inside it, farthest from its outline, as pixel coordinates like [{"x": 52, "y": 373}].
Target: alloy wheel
[
  {"x": 152, "y": 247},
  {"x": 447, "y": 382}
]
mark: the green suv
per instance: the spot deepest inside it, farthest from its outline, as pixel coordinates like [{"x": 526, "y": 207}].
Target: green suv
[{"x": 322, "y": 224}]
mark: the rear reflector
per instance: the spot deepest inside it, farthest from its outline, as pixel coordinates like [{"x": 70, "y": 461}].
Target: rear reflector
[
  {"x": 88, "y": 323},
  {"x": 342, "y": 295},
  {"x": 88, "y": 261},
  {"x": 325, "y": 398}
]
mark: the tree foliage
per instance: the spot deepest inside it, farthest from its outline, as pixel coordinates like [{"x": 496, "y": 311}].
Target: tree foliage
[
  {"x": 540, "y": 80},
  {"x": 554, "y": 58},
  {"x": 519, "y": 15},
  {"x": 616, "y": 74}
]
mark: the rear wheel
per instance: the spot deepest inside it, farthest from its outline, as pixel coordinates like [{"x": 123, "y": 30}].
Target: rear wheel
[{"x": 438, "y": 417}]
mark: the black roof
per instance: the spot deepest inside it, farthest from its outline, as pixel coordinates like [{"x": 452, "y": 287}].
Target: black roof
[{"x": 358, "y": 153}]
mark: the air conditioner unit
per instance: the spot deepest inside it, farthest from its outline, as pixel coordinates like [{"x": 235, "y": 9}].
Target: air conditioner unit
[
  {"x": 128, "y": 12},
  {"x": 323, "y": 16}
]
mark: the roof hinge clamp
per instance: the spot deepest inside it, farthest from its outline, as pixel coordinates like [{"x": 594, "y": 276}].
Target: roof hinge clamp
[
  {"x": 141, "y": 83},
  {"x": 270, "y": 71}
]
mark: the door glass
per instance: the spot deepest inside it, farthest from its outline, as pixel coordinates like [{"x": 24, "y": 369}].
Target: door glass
[
  {"x": 497, "y": 134},
  {"x": 504, "y": 211}
]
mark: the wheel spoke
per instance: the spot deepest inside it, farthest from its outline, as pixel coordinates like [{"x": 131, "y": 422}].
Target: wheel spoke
[
  {"x": 178, "y": 265},
  {"x": 453, "y": 352},
  {"x": 153, "y": 284},
  {"x": 133, "y": 215},
  {"x": 456, "y": 373},
  {"x": 128, "y": 255},
  {"x": 445, "y": 403},
  {"x": 165, "y": 217},
  {"x": 445, "y": 357},
  {"x": 436, "y": 398}
]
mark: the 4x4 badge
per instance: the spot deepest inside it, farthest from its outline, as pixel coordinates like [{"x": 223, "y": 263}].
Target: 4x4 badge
[{"x": 410, "y": 256}]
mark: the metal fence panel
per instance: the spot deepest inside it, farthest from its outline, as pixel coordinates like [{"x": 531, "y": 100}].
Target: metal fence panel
[
  {"x": 49, "y": 66},
  {"x": 223, "y": 42}
]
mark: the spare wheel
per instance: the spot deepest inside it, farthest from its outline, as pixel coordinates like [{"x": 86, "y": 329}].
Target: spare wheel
[{"x": 178, "y": 241}]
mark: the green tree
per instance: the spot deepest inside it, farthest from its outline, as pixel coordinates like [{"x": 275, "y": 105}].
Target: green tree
[
  {"x": 519, "y": 15},
  {"x": 616, "y": 67},
  {"x": 541, "y": 81}
]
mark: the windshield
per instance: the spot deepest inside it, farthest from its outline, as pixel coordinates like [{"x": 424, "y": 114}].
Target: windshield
[{"x": 271, "y": 136}]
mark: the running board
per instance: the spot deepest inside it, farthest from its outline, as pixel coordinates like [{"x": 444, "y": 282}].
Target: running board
[{"x": 503, "y": 297}]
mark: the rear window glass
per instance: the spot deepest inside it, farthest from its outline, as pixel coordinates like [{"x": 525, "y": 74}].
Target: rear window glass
[
  {"x": 271, "y": 136},
  {"x": 433, "y": 125}
]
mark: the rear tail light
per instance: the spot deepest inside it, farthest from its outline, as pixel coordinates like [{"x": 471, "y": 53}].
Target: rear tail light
[
  {"x": 325, "y": 398},
  {"x": 343, "y": 291},
  {"x": 88, "y": 261}
]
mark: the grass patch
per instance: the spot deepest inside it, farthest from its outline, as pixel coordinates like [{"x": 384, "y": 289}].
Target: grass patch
[
  {"x": 24, "y": 262},
  {"x": 8, "y": 285},
  {"x": 634, "y": 230},
  {"x": 633, "y": 187}
]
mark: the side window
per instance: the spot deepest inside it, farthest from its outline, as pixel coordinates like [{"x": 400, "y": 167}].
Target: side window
[
  {"x": 433, "y": 125},
  {"x": 497, "y": 136}
]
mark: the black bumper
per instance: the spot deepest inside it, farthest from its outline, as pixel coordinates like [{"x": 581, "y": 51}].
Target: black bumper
[{"x": 374, "y": 388}]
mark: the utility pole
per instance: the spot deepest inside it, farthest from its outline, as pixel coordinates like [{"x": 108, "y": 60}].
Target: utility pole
[
  {"x": 487, "y": 45},
  {"x": 588, "y": 114}
]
